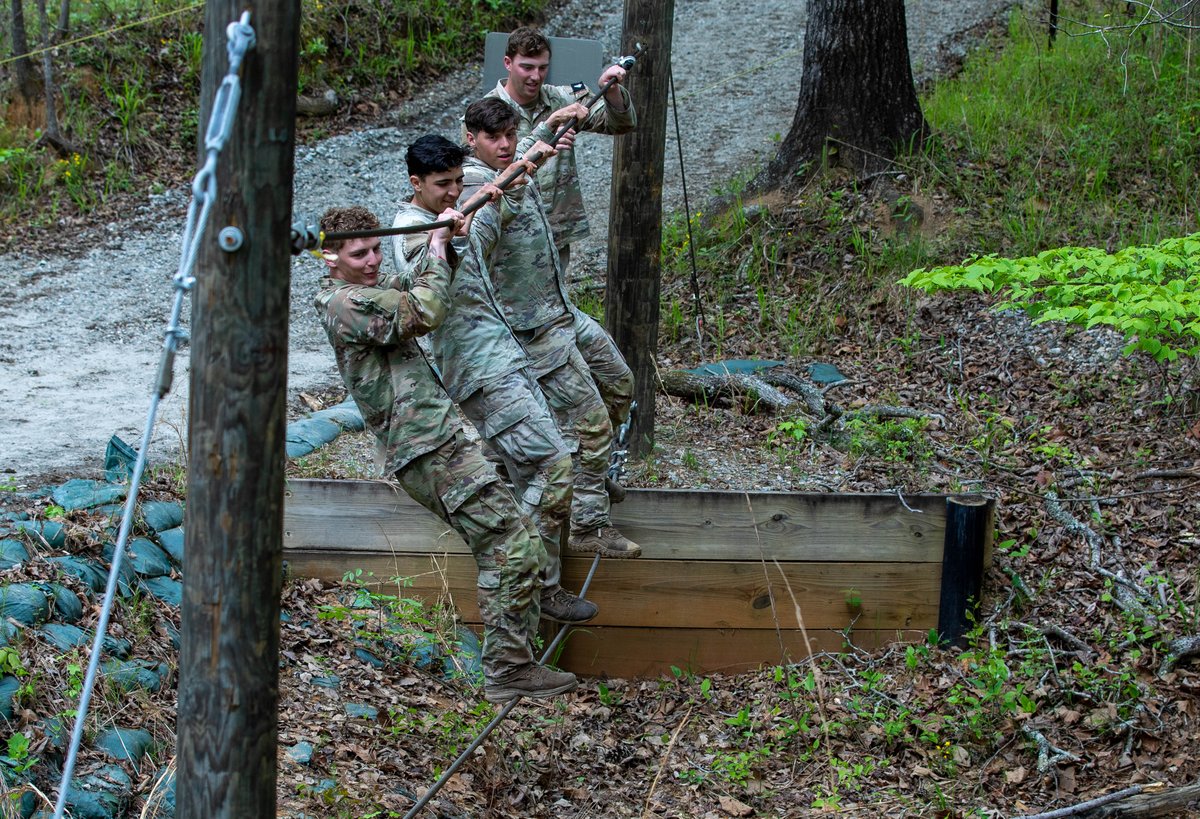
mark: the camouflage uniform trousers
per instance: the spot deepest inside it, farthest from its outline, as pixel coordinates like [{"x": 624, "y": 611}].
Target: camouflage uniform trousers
[
  {"x": 580, "y": 413},
  {"x": 460, "y": 487},
  {"x": 612, "y": 375},
  {"x": 511, "y": 415}
]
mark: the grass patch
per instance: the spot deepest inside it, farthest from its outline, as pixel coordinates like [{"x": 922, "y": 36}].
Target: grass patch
[{"x": 1084, "y": 144}]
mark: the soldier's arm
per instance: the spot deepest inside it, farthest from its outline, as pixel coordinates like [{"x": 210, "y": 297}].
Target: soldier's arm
[
  {"x": 424, "y": 302},
  {"x": 476, "y": 180},
  {"x": 542, "y": 132},
  {"x": 388, "y": 315},
  {"x": 614, "y": 114}
]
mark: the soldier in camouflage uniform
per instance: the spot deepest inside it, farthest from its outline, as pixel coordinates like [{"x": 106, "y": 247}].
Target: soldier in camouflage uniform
[
  {"x": 372, "y": 324},
  {"x": 529, "y": 287},
  {"x": 527, "y": 60},
  {"x": 484, "y": 368}
]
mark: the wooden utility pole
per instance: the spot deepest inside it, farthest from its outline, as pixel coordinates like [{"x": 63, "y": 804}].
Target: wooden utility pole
[
  {"x": 635, "y": 221},
  {"x": 229, "y": 666}
]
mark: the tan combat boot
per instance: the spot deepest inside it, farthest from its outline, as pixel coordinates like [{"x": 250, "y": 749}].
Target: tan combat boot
[{"x": 605, "y": 541}]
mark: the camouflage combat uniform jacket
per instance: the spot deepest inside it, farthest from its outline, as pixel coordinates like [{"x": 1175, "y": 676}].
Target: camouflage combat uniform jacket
[
  {"x": 525, "y": 271},
  {"x": 372, "y": 331},
  {"x": 558, "y": 178},
  {"x": 474, "y": 345}
]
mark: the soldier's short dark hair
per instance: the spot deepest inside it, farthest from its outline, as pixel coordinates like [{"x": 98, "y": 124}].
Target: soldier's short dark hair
[
  {"x": 433, "y": 154},
  {"x": 526, "y": 41},
  {"x": 339, "y": 220},
  {"x": 490, "y": 114}
]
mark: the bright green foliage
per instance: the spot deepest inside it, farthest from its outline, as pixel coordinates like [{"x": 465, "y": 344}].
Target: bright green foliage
[{"x": 1150, "y": 294}]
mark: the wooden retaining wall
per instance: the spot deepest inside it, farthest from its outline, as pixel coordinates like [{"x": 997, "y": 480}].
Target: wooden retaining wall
[{"x": 724, "y": 577}]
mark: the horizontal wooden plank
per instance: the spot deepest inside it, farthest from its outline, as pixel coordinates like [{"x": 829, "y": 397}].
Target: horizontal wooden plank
[
  {"x": 631, "y": 653},
  {"x": 682, "y": 594},
  {"x": 668, "y": 523}
]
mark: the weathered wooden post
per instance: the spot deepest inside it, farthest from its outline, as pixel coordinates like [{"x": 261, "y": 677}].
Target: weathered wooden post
[
  {"x": 229, "y": 666},
  {"x": 635, "y": 223}
]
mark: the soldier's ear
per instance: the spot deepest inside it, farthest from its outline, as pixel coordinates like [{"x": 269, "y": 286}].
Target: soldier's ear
[
  {"x": 330, "y": 257},
  {"x": 470, "y": 140},
  {"x": 415, "y": 181}
]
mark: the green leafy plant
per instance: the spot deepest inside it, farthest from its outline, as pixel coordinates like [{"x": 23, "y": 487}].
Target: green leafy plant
[
  {"x": 1149, "y": 294},
  {"x": 608, "y": 697},
  {"x": 12, "y": 664},
  {"x": 18, "y": 753},
  {"x": 897, "y": 440},
  {"x": 791, "y": 432}
]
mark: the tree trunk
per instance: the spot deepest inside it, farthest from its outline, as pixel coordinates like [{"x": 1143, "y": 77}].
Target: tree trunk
[
  {"x": 858, "y": 106},
  {"x": 52, "y": 136},
  {"x": 64, "y": 20},
  {"x": 23, "y": 68}
]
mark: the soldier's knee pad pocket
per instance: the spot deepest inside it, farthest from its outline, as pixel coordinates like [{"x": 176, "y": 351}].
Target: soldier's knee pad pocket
[
  {"x": 492, "y": 508},
  {"x": 567, "y": 386},
  {"x": 529, "y": 439}
]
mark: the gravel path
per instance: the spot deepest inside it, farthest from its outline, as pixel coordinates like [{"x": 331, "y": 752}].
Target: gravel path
[{"x": 82, "y": 333}]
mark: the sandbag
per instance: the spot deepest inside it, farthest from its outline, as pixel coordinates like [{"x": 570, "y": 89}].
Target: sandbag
[
  {"x": 49, "y": 531},
  {"x": 65, "y": 637},
  {"x": 308, "y": 434},
  {"x": 24, "y": 602},
  {"x": 79, "y": 493},
  {"x": 166, "y": 589},
  {"x": 161, "y": 799},
  {"x": 132, "y": 674},
  {"x": 125, "y": 744},
  {"x": 161, "y": 515},
  {"x": 102, "y": 795},
  {"x": 172, "y": 543},
  {"x": 9, "y": 686},
  {"x": 147, "y": 558},
  {"x": 89, "y": 572},
  {"x": 12, "y": 553},
  {"x": 119, "y": 460},
  {"x": 345, "y": 414},
  {"x": 127, "y": 576},
  {"x": 65, "y": 605}
]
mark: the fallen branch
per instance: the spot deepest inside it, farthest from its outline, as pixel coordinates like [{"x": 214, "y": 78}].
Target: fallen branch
[
  {"x": 1082, "y": 807},
  {"x": 1178, "y": 649},
  {"x": 663, "y": 762},
  {"x": 1124, "y": 593},
  {"x": 1048, "y": 754},
  {"x": 1153, "y": 802},
  {"x": 1151, "y": 474},
  {"x": 884, "y": 411},
  {"x": 813, "y": 398},
  {"x": 751, "y": 391},
  {"x": 1051, "y": 630}
]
